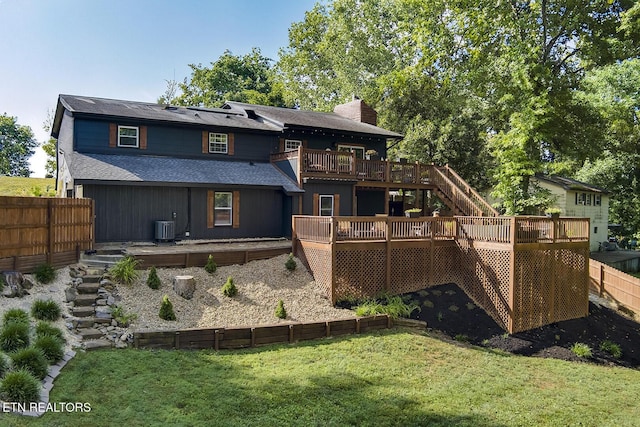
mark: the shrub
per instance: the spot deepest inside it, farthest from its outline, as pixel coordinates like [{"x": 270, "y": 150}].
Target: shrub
[
  {"x": 291, "y": 263},
  {"x": 20, "y": 386},
  {"x": 611, "y": 348},
  {"x": 45, "y": 310},
  {"x": 124, "y": 271},
  {"x": 32, "y": 359},
  {"x": 210, "y": 267},
  {"x": 51, "y": 347},
  {"x": 166, "y": 309},
  {"x": 153, "y": 281},
  {"x": 45, "y": 273},
  {"x": 229, "y": 289},
  {"x": 123, "y": 318},
  {"x": 4, "y": 365},
  {"x": 46, "y": 329},
  {"x": 14, "y": 336},
  {"x": 461, "y": 338},
  {"x": 16, "y": 315},
  {"x": 280, "y": 312},
  {"x": 581, "y": 350}
]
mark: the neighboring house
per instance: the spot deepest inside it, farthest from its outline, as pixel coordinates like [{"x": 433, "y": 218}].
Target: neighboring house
[
  {"x": 232, "y": 172},
  {"x": 579, "y": 199}
]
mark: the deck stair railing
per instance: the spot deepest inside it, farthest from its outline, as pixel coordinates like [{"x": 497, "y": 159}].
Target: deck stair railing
[{"x": 485, "y": 207}]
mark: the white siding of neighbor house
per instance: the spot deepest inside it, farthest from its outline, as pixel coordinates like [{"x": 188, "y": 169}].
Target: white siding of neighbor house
[{"x": 598, "y": 215}]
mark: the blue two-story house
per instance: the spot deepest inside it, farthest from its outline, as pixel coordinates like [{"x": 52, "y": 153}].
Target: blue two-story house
[{"x": 233, "y": 172}]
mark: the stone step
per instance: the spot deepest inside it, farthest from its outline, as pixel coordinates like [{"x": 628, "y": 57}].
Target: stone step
[
  {"x": 97, "y": 344},
  {"x": 88, "y": 288},
  {"x": 89, "y": 333},
  {"x": 91, "y": 278},
  {"x": 88, "y": 322},
  {"x": 101, "y": 260},
  {"x": 83, "y": 311},
  {"x": 85, "y": 300}
]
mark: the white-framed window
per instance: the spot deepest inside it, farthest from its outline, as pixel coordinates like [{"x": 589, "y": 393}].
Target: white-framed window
[
  {"x": 218, "y": 143},
  {"x": 326, "y": 206},
  {"x": 223, "y": 207},
  {"x": 358, "y": 149},
  {"x": 128, "y": 136},
  {"x": 597, "y": 199},
  {"x": 581, "y": 198},
  {"x": 588, "y": 199},
  {"x": 292, "y": 144}
]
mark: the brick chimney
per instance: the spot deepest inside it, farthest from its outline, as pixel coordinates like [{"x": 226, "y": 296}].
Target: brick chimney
[{"x": 357, "y": 110}]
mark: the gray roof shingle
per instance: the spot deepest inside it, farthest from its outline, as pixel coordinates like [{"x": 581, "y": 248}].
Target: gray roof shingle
[
  {"x": 169, "y": 170},
  {"x": 287, "y": 117},
  {"x": 570, "y": 183}
]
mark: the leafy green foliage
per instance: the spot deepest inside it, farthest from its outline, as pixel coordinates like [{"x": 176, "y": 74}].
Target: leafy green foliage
[
  {"x": 51, "y": 347},
  {"x": 280, "y": 311},
  {"x": 229, "y": 288},
  {"x": 14, "y": 336},
  {"x": 211, "y": 266},
  {"x": 32, "y": 359},
  {"x": 45, "y": 310},
  {"x": 17, "y": 144},
  {"x": 166, "y": 309},
  {"x": 20, "y": 386},
  {"x": 4, "y": 365},
  {"x": 123, "y": 318},
  {"x": 153, "y": 281},
  {"x": 15, "y": 315},
  {"x": 46, "y": 329},
  {"x": 45, "y": 273},
  {"x": 290, "y": 264},
  {"x": 611, "y": 348},
  {"x": 124, "y": 271},
  {"x": 581, "y": 350},
  {"x": 394, "y": 306}
]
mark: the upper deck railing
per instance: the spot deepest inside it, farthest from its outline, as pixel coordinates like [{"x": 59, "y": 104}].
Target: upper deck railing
[{"x": 506, "y": 230}]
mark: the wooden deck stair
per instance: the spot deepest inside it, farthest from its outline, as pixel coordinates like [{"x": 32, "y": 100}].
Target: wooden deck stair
[{"x": 458, "y": 195}]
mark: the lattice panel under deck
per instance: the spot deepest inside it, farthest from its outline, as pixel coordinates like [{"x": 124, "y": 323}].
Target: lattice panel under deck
[
  {"x": 446, "y": 265},
  {"x": 533, "y": 289},
  {"x": 360, "y": 273},
  {"x": 572, "y": 284},
  {"x": 486, "y": 280},
  {"x": 319, "y": 263},
  {"x": 409, "y": 269}
]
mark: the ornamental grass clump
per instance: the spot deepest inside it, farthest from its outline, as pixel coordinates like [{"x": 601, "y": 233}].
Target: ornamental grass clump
[
  {"x": 166, "y": 309},
  {"x": 15, "y": 315},
  {"x": 291, "y": 263},
  {"x": 45, "y": 310},
  {"x": 4, "y": 365},
  {"x": 582, "y": 350},
  {"x": 280, "y": 312},
  {"x": 211, "y": 266},
  {"x": 124, "y": 271},
  {"x": 153, "y": 281},
  {"x": 51, "y": 347},
  {"x": 32, "y": 359},
  {"x": 612, "y": 348},
  {"x": 45, "y": 273},
  {"x": 46, "y": 329},
  {"x": 20, "y": 386},
  {"x": 14, "y": 336},
  {"x": 229, "y": 288}
]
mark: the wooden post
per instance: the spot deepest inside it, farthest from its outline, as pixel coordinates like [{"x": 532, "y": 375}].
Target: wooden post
[
  {"x": 216, "y": 339},
  {"x": 332, "y": 248},
  {"x": 253, "y": 337},
  {"x": 51, "y": 231},
  {"x": 512, "y": 276},
  {"x": 601, "y": 280},
  {"x": 328, "y": 328},
  {"x": 387, "y": 246},
  {"x": 294, "y": 236},
  {"x": 291, "y": 333},
  {"x": 177, "y": 340}
]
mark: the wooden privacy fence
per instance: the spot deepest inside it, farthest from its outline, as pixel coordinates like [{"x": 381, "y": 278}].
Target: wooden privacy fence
[
  {"x": 523, "y": 271},
  {"x": 611, "y": 283},
  {"x": 230, "y": 338},
  {"x": 34, "y": 231}
]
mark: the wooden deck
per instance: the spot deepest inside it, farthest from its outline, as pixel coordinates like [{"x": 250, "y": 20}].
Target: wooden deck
[{"x": 523, "y": 271}]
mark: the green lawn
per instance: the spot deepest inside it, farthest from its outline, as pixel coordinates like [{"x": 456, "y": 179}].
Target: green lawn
[
  {"x": 390, "y": 378},
  {"x": 19, "y": 186}
]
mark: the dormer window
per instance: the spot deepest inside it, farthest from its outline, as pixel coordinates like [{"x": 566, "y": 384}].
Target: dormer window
[
  {"x": 128, "y": 136},
  {"x": 218, "y": 143}
]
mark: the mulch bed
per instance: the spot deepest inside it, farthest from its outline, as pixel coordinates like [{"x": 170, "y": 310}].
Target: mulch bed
[{"x": 446, "y": 308}]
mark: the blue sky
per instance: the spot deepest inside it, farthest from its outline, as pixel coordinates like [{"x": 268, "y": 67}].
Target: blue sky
[{"x": 123, "y": 49}]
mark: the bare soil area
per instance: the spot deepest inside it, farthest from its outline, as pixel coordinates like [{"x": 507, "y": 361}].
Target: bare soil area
[{"x": 448, "y": 309}]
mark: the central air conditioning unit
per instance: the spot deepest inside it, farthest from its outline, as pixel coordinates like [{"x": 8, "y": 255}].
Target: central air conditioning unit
[{"x": 165, "y": 231}]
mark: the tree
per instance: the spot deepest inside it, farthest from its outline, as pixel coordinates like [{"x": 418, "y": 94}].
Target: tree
[
  {"x": 249, "y": 78},
  {"x": 50, "y": 147},
  {"x": 16, "y": 146}
]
